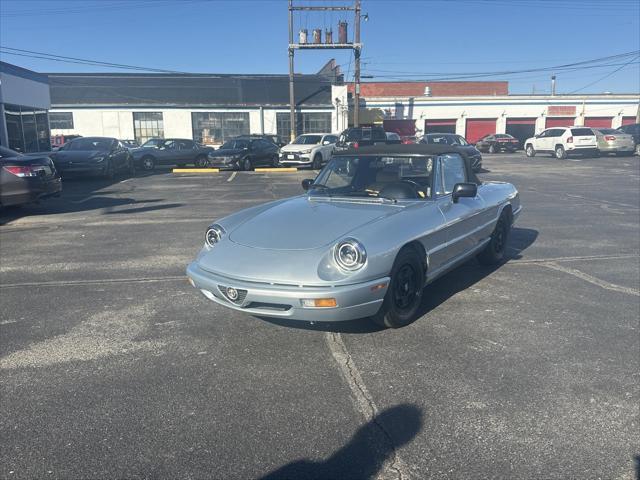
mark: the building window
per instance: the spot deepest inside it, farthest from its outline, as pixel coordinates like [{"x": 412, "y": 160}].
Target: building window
[
  {"x": 27, "y": 129},
  {"x": 212, "y": 128},
  {"x": 147, "y": 125},
  {"x": 319, "y": 122},
  {"x": 61, "y": 120}
]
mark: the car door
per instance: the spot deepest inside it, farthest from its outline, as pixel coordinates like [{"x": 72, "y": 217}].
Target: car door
[
  {"x": 463, "y": 219},
  {"x": 123, "y": 154},
  {"x": 188, "y": 151},
  {"x": 543, "y": 141}
]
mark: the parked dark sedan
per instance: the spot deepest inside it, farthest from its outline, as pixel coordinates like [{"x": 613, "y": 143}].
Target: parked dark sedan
[
  {"x": 244, "y": 153},
  {"x": 459, "y": 143},
  {"x": 102, "y": 156},
  {"x": 170, "y": 151},
  {"x": 26, "y": 179},
  {"x": 633, "y": 129},
  {"x": 497, "y": 143}
]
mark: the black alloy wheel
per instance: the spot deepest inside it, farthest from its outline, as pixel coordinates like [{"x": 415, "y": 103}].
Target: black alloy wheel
[
  {"x": 201, "y": 161},
  {"x": 148, "y": 163},
  {"x": 495, "y": 251},
  {"x": 404, "y": 292}
]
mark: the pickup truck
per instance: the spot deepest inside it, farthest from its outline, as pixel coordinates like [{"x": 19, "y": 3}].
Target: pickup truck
[{"x": 355, "y": 137}]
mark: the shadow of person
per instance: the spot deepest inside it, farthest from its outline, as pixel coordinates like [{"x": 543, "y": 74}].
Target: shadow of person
[{"x": 366, "y": 453}]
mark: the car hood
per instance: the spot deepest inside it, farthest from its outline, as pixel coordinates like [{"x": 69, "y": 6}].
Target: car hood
[
  {"x": 226, "y": 153},
  {"x": 79, "y": 155},
  {"x": 298, "y": 148},
  {"x": 304, "y": 223}
]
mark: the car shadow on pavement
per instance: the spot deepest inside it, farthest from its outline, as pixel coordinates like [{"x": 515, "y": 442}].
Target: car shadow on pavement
[
  {"x": 83, "y": 194},
  {"x": 434, "y": 294},
  {"x": 364, "y": 456}
]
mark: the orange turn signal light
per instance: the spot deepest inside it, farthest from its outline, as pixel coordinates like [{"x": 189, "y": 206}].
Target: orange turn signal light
[
  {"x": 319, "y": 302},
  {"x": 379, "y": 286}
]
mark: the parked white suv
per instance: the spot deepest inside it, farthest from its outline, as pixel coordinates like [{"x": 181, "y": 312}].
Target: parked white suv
[
  {"x": 310, "y": 149},
  {"x": 563, "y": 141}
]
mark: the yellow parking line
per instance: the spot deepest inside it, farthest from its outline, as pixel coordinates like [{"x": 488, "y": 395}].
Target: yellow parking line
[
  {"x": 283, "y": 170},
  {"x": 195, "y": 170}
]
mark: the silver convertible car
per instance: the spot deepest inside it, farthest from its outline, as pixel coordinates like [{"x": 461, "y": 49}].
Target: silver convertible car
[{"x": 375, "y": 226}]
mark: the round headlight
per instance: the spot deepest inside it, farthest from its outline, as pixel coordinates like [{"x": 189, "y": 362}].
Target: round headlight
[
  {"x": 350, "y": 254},
  {"x": 213, "y": 235}
]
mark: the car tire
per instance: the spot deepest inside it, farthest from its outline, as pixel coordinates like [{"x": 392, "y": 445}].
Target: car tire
[
  {"x": 495, "y": 251},
  {"x": 492, "y": 149},
  {"x": 317, "y": 162},
  {"x": 404, "y": 293},
  {"x": 108, "y": 171},
  {"x": 201, "y": 161},
  {"x": 274, "y": 161},
  {"x": 148, "y": 163},
  {"x": 530, "y": 151},
  {"x": 638, "y": 149},
  {"x": 560, "y": 152},
  {"x": 246, "y": 164},
  {"x": 131, "y": 167}
]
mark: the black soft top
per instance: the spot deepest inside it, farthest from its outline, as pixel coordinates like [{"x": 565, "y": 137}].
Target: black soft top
[{"x": 412, "y": 149}]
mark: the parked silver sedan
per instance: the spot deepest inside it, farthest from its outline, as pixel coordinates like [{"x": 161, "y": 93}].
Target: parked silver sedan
[
  {"x": 374, "y": 227},
  {"x": 614, "y": 141}
]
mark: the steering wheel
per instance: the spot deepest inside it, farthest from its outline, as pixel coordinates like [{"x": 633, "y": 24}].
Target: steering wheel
[{"x": 403, "y": 189}]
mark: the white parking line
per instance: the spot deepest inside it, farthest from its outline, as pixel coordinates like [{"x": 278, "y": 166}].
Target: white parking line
[
  {"x": 593, "y": 280},
  {"x": 233, "y": 175}
]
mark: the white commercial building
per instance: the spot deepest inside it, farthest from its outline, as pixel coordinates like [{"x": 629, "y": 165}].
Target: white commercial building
[{"x": 205, "y": 107}]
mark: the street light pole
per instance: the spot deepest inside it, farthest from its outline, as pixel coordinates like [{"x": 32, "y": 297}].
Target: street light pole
[{"x": 356, "y": 76}]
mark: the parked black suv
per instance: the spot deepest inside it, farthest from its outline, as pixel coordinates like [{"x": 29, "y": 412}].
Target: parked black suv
[
  {"x": 244, "y": 153},
  {"x": 355, "y": 137}
]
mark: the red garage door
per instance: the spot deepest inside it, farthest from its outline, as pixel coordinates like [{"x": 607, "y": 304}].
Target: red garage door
[
  {"x": 559, "y": 122},
  {"x": 598, "y": 122},
  {"x": 404, "y": 128},
  {"x": 442, "y": 125},
  {"x": 479, "y": 127},
  {"x": 628, "y": 120}
]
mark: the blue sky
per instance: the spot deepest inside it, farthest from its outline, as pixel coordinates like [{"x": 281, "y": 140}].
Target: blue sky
[{"x": 403, "y": 39}]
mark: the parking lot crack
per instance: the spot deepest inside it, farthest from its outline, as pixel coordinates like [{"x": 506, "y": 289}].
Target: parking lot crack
[{"x": 393, "y": 467}]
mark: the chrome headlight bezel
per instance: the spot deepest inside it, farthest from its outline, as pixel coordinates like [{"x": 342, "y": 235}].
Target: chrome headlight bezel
[
  {"x": 349, "y": 255},
  {"x": 213, "y": 235}
]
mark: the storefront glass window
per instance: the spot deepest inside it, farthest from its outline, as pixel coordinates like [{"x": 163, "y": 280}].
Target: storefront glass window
[
  {"x": 212, "y": 128},
  {"x": 27, "y": 129},
  {"x": 147, "y": 125}
]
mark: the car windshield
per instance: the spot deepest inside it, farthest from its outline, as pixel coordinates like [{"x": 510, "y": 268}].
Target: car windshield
[
  {"x": 307, "y": 140},
  {"x": 503, "y": 135},
  {"x": 609, "y": 131},
  {"x": 581, "y": 132},
  {"x": 153, "y": 142},
  {"x": 389, "y": 177},
  {"x": 235, "y": 145},
  {"x": 100, "y": 144}
]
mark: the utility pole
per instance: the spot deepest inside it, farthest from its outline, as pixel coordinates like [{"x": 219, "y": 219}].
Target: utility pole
[
  {"x": 343, "y": 43},
  {"x": 356, "y": 76},
  {"x": 292, "y": 97}
]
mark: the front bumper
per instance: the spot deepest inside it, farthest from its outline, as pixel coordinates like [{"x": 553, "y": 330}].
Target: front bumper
[
  {"x": 232, "y": 163},
  {"x": 80, "y": 168},
  {"x": 284, "y": 301},
  {"x": 300, "y": 159}
]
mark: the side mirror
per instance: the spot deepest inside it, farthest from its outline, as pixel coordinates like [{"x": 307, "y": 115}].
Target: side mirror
[
  {"x": 306, "y": 183},
  {"x": 461, "y": 190},
  {"x": 326, "y": 142}
]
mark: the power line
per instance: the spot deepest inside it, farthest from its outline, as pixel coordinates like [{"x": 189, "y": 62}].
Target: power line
[{"x": 607, "y": 75}]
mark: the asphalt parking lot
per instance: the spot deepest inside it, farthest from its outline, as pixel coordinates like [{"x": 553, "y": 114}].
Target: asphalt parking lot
[{"x": 111, "y": 365}]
